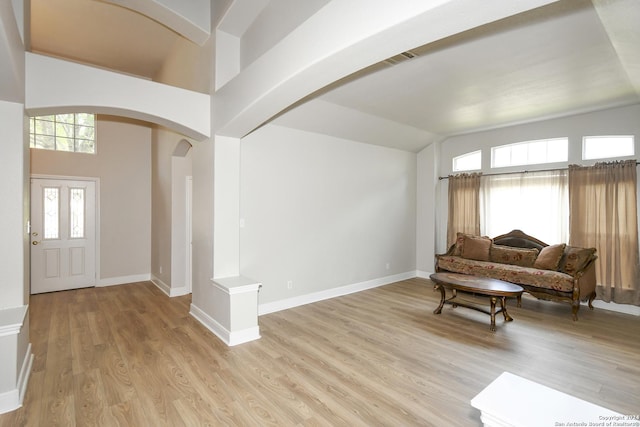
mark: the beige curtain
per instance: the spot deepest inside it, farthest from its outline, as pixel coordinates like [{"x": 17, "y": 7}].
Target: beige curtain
[
  {"x": 603, "y": 215},
  {"x": 464, "y": 205}
]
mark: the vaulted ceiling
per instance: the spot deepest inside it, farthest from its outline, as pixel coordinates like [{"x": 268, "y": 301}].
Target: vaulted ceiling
[{"x": 565, "y": 58}]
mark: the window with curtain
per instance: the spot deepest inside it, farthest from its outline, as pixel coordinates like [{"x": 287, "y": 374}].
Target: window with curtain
[
  {"x": 604, "y": 215},
  {"x": 534, "y": 202}
]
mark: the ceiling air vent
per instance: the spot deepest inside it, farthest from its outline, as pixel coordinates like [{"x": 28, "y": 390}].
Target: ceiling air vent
[{"x": 401, "y": 57}]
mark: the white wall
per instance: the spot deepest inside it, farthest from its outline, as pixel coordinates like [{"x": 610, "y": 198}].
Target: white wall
[
  {"x": 168, "y": 213},
  {"x": 427, "y": 184},
  {"x": 181, "y": 168},
  {"x": 191, "y": 67},
  {"x": 615, "y": 121},
  {"x": 188, "y": 66},
  {"x": 275, "y": 21},
  {"x": 163, "y": 144},
  {"x": 323, "y": 212},
  {"x": 123, "y": 164}
]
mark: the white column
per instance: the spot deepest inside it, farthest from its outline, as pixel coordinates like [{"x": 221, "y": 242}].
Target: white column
[
  {"x": 226, "y": 207},
  {"x": 15, "y": 356},
  {"x": 228, "y": 303}
]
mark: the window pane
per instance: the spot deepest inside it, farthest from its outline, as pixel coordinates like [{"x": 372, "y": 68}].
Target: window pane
[
  {"x": 85, "y": 119},
  {"x": 46, "y": 142},
  {"x": 64, "y": 144},
  {"x": 600, "y": 147},
  {"x": 530, "y": 152},
  {"x": 65, "y": 118},
  {"x": 85, "y": 146},
  {"x": 84, "y": 132},
  {"x": 468, "y": 161},
  {"x": 557, "y": 150},
  {"x": 44, "y": 127},
  {"x": 536, "y": 153},
  {"x": 501, "y": 156},
  {"x": 51, "y": 204},
  {"x": 64, "y": 130},
  {"x": 519, "y": 154},
  {"x": 76, "y": 212}
]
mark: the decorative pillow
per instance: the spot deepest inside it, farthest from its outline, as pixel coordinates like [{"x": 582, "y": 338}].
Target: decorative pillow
[
  {"x": 476, "y": 247},
  {"x": 549, "y": 257},
  {"x": 514, "y": 256},
  {"x": 575, "y": 259}
]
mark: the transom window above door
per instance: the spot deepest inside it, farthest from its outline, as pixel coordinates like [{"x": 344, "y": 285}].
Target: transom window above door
[{"x": 73, "y": 132}]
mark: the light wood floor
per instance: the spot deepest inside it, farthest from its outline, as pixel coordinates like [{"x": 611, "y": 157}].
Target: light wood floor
[{"x": 129, "y": 355}]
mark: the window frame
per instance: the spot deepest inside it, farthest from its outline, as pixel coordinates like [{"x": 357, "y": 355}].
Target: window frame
[
  {"x": 617, "y": 156},
  {"x": 55, "y": 122},
  {"x": 469, "y": 154},
  {"x": 532, "y": 142}
]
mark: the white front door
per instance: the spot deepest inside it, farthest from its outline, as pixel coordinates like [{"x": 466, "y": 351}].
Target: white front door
[{"x": 63, "y": 234}]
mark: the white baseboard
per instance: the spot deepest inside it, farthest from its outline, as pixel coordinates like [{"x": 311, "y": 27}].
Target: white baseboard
[
  {"x": 12, "y": 399},
  {"x": 285, "y": 304},
  {"x": 161, "y": 285},
  {"x": 9, "y": 401},
  {"x": 25, "y": 372},
  {"x": 620, "y": 308},
  {"x": 423, "y": 274},
  {"x": 228, "y": 337},
  {"x": 122, "y": 280},
  {"x": 179, "y": 291},
  {"x": 171, "y": 292}
]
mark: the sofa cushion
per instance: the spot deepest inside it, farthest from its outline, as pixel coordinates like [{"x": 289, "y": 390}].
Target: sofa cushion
[
  {"x": 549, "y": 257},
  {"x": 575, "y": 259},
  {"x": 528, "y": 276},
  {"x": 515, "y": 256},
  {"x": 476, "y": 247}
]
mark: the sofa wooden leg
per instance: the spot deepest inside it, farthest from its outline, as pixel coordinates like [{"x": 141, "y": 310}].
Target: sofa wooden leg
[
  {"x": 591, "y": 298},
  {"x": 575, "y": 306}
]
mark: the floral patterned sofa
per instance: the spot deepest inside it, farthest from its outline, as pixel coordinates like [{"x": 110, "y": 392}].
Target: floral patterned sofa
[{"x": 551, "y": 272}]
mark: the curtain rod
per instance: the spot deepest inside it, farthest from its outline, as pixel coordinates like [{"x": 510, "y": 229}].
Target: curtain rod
[{"x": 515, "y": 172}]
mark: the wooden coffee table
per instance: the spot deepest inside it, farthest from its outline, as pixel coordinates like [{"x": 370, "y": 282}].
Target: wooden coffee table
[{"x": 493, "y": 288}]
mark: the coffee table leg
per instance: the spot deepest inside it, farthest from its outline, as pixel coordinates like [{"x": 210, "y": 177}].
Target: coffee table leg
[
  {"x": 493, "y": 313},
  {"x": 442, "y": 297},
  {"x": 503, "y": 304}
]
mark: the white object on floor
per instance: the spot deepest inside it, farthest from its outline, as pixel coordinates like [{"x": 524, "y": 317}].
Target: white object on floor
[{"x": 514, "y": 401}]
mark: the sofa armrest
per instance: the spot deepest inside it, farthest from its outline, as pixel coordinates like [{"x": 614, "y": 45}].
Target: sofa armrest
[
  {"x": 588, "y": 266},
  {"x": 585, "y": 281},
  {"x": 447, "y": 253}
]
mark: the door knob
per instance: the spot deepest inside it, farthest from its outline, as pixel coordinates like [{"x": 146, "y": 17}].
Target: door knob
[{"x": 34, "y": 242}]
